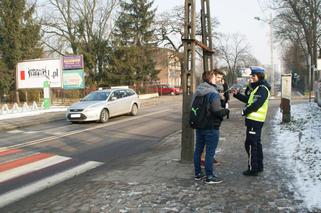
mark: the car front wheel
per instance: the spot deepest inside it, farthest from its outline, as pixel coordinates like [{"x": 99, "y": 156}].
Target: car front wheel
[
  {"x": 134, "y": 110},
  {"x": 104, "y": 116}
]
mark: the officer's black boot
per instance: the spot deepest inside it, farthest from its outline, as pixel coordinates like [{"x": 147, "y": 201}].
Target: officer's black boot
[{"x": 250, "y": 173}]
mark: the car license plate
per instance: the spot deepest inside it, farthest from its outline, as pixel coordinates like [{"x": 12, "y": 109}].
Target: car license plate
[{"x": 75, "y": 115}]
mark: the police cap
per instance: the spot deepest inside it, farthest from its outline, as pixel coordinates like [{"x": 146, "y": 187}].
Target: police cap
[{"x": 256, "y": 70}]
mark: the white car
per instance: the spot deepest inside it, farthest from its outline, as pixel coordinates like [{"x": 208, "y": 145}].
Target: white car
[{"x": 100, "y": 105}]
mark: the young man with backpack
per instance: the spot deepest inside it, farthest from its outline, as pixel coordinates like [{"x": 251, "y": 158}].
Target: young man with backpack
[{"x": 206, "y": 117}]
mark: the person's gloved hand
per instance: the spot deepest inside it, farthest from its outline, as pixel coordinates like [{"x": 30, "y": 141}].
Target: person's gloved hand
[
  {"x": 235, "y": 91},
  {"x": 243, "y": 111}
]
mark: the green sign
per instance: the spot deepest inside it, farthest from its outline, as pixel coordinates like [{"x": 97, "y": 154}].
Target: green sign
[
  {"x": 73, "y": 79},
  {"x": 46, "y": 94}
]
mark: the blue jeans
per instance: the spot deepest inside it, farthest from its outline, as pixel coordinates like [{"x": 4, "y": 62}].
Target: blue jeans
[{"x": 208, "y": 137}]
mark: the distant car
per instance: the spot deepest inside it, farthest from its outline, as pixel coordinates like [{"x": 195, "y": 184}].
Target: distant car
[
  {"x": 100, "y": 105},
  {"x": 165, "y": 89}
]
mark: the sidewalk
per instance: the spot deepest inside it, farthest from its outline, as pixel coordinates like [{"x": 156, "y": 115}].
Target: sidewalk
[{"x": 159, "y": 182}]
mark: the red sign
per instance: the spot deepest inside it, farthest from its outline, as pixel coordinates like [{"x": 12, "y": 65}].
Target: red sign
[{"x": 22, "y": 75}]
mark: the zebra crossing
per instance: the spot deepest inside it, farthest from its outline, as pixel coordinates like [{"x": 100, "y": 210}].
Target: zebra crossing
[{"x": 24, "y": 172}]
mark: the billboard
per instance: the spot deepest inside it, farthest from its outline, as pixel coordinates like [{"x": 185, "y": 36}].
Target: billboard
[
  {"x": 32, "y": 74},
  {"x": 73, "y": 79},
  {"x": 71, "y": 62}
]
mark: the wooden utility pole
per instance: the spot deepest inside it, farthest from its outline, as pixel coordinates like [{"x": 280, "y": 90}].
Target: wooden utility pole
[
  {"x": 188, "y": 76},
  {"x": 206, "y": 36},
  {"x": 188, "y": 80}
]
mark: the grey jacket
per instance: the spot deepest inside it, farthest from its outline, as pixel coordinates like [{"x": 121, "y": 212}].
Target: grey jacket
[{"x": 214, "y": 100}]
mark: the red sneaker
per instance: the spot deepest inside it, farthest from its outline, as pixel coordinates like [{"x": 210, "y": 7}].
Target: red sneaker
[{"x": 202, "y": 164}]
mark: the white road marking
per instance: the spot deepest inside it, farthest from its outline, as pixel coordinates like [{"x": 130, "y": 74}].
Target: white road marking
[
  {"x": 32, "y": 132},
  {"x": 15, "y": 131},
  {"x": 31, "y": 167},
  {"x": 37, "y": 186},
  {"x": 38, "y": 141}
]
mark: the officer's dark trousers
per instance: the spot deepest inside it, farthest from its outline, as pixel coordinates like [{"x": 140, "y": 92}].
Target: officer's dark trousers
[{"x": 253, "y": 148}]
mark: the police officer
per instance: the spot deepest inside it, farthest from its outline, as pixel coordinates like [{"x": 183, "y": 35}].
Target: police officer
[{"x": 255, "y": 113}]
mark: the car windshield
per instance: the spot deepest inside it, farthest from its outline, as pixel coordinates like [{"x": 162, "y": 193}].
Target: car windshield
[{"x": 96, "y": 96}]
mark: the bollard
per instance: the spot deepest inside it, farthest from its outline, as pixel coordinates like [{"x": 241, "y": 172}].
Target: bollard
[
  {"x": 286, "y": 110},
  {"x": 286, "y": 93}
]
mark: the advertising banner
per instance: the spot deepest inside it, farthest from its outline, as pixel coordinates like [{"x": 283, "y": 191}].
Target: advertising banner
[
  {"x": 73, "y": 79},
  {"x": 32, "y": 74},
  {"x": 71, "y": 62}
]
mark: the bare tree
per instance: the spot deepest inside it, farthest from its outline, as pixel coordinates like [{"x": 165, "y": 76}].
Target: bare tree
[
  {"x": 170, "y": 28},
  {"x": 299, "y": 21},
  {"x": 170, "y": 31},
  {"x": 79, "y": 27},
  {"x": 235, "y": 52}
]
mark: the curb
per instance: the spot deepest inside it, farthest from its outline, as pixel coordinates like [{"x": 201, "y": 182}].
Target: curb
[{"x": 17, "y": 123}]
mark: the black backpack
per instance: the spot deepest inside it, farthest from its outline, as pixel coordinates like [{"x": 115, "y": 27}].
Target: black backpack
[{"x": 199, "y": 114}]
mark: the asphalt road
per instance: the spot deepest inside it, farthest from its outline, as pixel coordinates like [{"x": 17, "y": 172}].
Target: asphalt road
[{"x": 83, "y": 146}]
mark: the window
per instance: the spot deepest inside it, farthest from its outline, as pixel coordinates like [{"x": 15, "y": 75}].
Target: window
[
  {"x": 122, "y": 93},
  {"x": 96, "y": 96},
  {"x": 130, "y": 92},
  {"x": 113, "y": 96}
]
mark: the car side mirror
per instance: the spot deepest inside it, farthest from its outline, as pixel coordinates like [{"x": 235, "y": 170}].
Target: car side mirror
[{"x": 113, "y": 98}]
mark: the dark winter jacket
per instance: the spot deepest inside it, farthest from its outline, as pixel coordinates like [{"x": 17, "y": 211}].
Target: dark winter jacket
[
  {"x": 226, "y": 92},
  {"x": 260, "y": 97},
  {"x": 213, "y": 98},
  {"x": 226, "y": 95}
]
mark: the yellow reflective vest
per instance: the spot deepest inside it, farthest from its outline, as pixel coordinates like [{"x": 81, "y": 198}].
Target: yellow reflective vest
[{"x": 260, "y": 114}]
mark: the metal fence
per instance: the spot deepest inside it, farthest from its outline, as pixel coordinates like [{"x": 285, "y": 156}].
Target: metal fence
[{"x": 61, "y": 96}]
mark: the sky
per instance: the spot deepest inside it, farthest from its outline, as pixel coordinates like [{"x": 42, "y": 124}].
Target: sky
[{"x": 237, "y": 16}]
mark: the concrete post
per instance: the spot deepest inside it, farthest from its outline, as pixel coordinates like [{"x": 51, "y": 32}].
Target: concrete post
[{"x": 286, "y": 97}]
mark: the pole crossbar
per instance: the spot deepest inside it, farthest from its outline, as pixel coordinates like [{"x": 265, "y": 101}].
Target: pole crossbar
[{"x": 200, "y": 44}]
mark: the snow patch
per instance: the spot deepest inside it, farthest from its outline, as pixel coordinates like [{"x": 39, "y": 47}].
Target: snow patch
[
  {"x": 32, "y": 113},
  {"x": 298, "y": 146}
]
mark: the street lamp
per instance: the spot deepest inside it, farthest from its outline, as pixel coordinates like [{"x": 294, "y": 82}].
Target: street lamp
[{"x": 271, "y": 49}]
